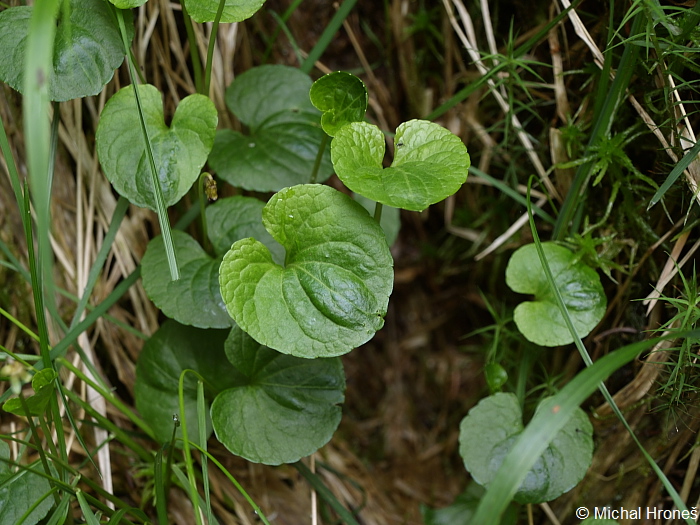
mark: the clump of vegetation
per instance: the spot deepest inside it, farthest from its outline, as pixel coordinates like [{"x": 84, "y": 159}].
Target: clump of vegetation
[{"x": 245, "y": 276}]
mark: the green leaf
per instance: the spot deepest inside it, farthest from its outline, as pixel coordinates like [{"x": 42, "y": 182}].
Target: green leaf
[
  {"x": 430, "y": 163},
  {"x": 195, "y": 299},
  {"x": 390, "y": 221},
  {"x": 234, "y": 10},
  {"x": 235, "y": 218},
  {"x": 87, "y": 48},
  {"x": 285, "y": 133},
  {"x": 491, "y": 428},
  {"x": 343, "y": 99},
  {"x": 19, "y": 491},
  {"x": 127, "y": 4},
  {"x": 333, "y": 292},
  {"x": 172, "y": 349},
  {"x": 496, "y": 376},
  {"x": 463, "y": 508},
  {"x": 286, "y": 408},
  {"x": 179, "y": 151},
  {"x": 541, "y": 321},
  {"x": 43, "y": 386}
]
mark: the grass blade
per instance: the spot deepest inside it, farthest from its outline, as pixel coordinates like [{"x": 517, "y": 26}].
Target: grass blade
[
  {"x": 157, "y": 190},
  {"x": 542, "y": 429},
  {"x": 603, "y": 122},
  {"x": 327, "y": 36},
  {"x": 675, "y": 173},
  {"x": 321, "y": 489}
]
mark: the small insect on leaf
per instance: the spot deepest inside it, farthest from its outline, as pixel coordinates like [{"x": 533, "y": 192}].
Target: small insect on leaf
[{"x": 210, "y": 188}]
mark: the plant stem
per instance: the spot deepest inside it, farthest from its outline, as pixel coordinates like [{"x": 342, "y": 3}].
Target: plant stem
[
  {"x": 378, "y": 212},
  {"x": 319, "y": 156},
  {"x": 206, "y": 243},
  {"x": 194, "y": 495},
  {"x": 210, "y": 49},
  {"x": 194, "y": 53}
]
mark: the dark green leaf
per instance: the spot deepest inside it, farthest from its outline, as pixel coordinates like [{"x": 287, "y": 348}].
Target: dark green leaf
[
  {"x": 195, "y": 299},
  {"x": 285, "y": 133},
  {"x": 285, "y": 409},
  {"x": 491, "y": 428},
  {"x": 172, "y": 349},
  {"x": 343, "y": 99},
  {"x": 19, "y": 491},
  {"x": 87, "y": 49},
  {"x": 463, "y": 508}
]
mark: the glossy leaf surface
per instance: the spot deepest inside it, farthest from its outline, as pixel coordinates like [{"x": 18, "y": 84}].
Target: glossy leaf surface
[
  {"x": 541, "y": 321},
  {"x": 87, "y": 48},
  {"x": 195, "y": 299},
  {"x": 286, "y": 408},
  {"x": 179, "y": 151},
  {"x": 341, "y": 97},
  {"x": 488, "y": 432},
  {"x": 172, "y": 349},
  {"x": 430, "y": 163},
  {"x": 284, "y": 132},
  {"x": 331, "y": 296}
]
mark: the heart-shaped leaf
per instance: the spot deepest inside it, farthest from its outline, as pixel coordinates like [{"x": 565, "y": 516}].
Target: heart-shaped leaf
[
  {"x": 43, "y": 386},
  {"x": 286, "y": 408},
  {"x": 172, "y": 349},
  {"x": 179, "y": 151},
  {"x": 343, "y": 99},
  {"x": 333, "y": 292},
  {"x": 541, "y": 321},
  {"x": 285, "y": 133},
  {"x": 195, "y": 299},
  {"x": 488, "y": 432},
  {"x": 430, "y": 163},
  {"x": 19, "y": 495},
  {"x": 234, "y": 10},
  {"x": 87, "y": 48}
]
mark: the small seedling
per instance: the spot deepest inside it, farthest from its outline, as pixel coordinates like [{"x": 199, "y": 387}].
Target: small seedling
[
  {"x": 541, "y": 321},
  {"x": 489, "y": 431}
]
